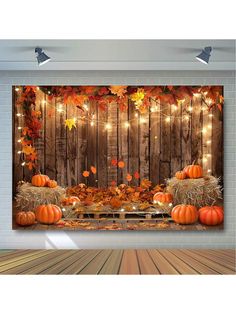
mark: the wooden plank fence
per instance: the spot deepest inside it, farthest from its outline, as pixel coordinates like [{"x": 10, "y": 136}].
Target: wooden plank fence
[{"x": 152, "y": 145}]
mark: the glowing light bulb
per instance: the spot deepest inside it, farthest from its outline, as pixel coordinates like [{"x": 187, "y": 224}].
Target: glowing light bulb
[
  {"x": 204, "y": 159},
  {"x": 142, "y": 120},
  {"x": 108, "y": 126},
  {"x": 174, "y": 107},
  {"x": 122, "y": 210},
  {"x": 190, "y": 109},
  {"x": 186, "y": 118},
  {"x": 208, "y": 142},
  {"x": 19, "y": 128},
  {"x": 136, "y": 115},
  {"x": 37, "y": 88},
  {"x": 19, "y": 141},
  {"x": 167, "y": 119},
  {"x": 208, "y": 155},
  {"x": 210, "y": 115},
  {"x": 44, "y": 102},
  {"x": 209, "y": 170},
  {"x": 17, "y": 89},
  {"x": 155, "y": 137},
  {"x": 18, "y": 114},
  {"x": 86, "y": 107},
  {"x": 204, "y": 130},
  {"x": 203, "y": 109},
  {"x": 23, "y": 164},
  {"x": 209, "y": 126},
  {"x": 196, "y": 94},
  {"x": 126, "y": 124},
  {"x": 19, "y": 152}
]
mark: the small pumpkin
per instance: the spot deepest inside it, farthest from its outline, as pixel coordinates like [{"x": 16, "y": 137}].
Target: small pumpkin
[
  {"x": 193, "y": 171},
  {"x": 25, "y": 218},
  {"x": 121, "y": 164},
  {"x": 70, "y": 200},
  {"x": 52, "y": 183},
  {"x": 163, "y": 197},
  {"x": 39, "y": 180},
  {"x": 48, "y": 214},
  {"x": 211, "y": 215},
  {"x": 181, "y": 175},
  {"x": 85, "y": 173},
  {"x": 115, "y": 202},
  {"x": 184, "y": 214}
]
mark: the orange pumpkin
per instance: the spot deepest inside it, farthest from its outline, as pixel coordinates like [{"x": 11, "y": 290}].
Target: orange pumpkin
[
  {"x": 25, "y": 218},
  {"x": 193, "y": 171},
  {"x": 211, "y": 215},
  {"x": 52, "y": 183},
  {"x": 184, "y": 214},
  {"x": 48, "y": 214},
  {"x": 121, "y": 164},
  {"x": 71, "y": 200},
  {"x": 181, "y": 175},
  {"x": 115, "y": 202},
  {"x": 40, "y": 180},
  {"x": 163, "y": 197}
]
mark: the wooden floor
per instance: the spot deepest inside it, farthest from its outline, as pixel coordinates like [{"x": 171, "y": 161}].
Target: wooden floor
[{"x": 163, "y": 261}]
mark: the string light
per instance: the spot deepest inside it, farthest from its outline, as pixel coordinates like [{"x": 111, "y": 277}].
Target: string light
[
  {"x": 136, "y": 115},
  {"x": 186, "y": 118},
  {"x": 44, "y": 102},
  {"x": 37, "y": 88},
  {"x": 204, "y": 130},
  {"x": 126, "y": 124},
  {"x": 208, "y": 155},
  {"x": 203, "y": 109},
  {"x": 86, "y": 107},
  {"x": 17, "y": 89},
  {"x": 19, "y": 152},
  {"x": 23, "y": 164},
  {"x": 92, "y": 123},
  {"x": 210, "y": 115},
  {"x": 19, "y": 128},
  {"x": 108, "y": 126},
  {"x": 190, "y": 109},
  {"x": 60, "y": 109},
  {"x": 18, "y": 114},
  {"x": 19, "y": 141},
  {"x": 154, "y": 108},
  {"x": 174, "y": 107},
  {"x": 208, "y": 142},
  {"x": 155, "y": 137},
  {"x": 209, "y": 126},
  {"x": 197, "y": 94},
  {"x": 209, "y": 170},
  {"x": 167, "y": 119},
  {"x": 142, "y": 120},
  {"x": 204, "y": 159}
]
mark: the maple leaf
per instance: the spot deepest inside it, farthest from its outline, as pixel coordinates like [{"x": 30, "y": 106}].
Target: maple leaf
[
  {"x": 145, "y": 184},
  {"x": 28, "y": 149},
  {"x": 136, "y": 175},
  {"x": 118, "y": 90},
  {"x": 103, "y": 91},
  {"x": 30, "y": 165},
  {"x": 70, "y": 123},
  {"x": 93, "y": 169},
  {"x": 138, "y": 97},
  {"x": 114, "y": 162},
  {"x": 129, "y": 177},
  {"x": 36, "y": 113},
  {"x": 85, "y": 173}
]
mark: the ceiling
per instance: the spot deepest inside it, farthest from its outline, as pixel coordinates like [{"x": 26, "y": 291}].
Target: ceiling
[{"x": 117, "y": 54}]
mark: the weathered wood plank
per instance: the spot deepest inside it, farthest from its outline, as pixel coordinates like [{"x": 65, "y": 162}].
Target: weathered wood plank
[
  {"x": 39, "y": 144},
  {"x": 144, "y": 134},
  {"x": 155, "y": 144},
  {"x": 206, "y": 136},
  {"x": 92, "y": 144},
  {"x": 217, "y": 143},
  {"x": 196, "y": 130},
  {"x": 82, "y": 134},
  {"x": 165, "y": 157},
  {"x": 97, "y": 263},
  {"x": 186, "y": 135},
  {"x": 72, "y": 147},
  {"x": 161, "y": 263},
  {"x": 61, "y": 143},
  {"x": 102, "y": 149},
  {"x": 50, "y": 152},
  {"x": 123, "y": 131},
  {"x": 17, "y": 122},
  {"x": 133, "y": 141},
  {"x": 112, "y": 142},
  {"x": 175, "y": 138}
]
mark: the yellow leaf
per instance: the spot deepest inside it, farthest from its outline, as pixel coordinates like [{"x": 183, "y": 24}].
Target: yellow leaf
[
  {"x": 28, "y": 149},
  {"x": 70, "y": 123}
]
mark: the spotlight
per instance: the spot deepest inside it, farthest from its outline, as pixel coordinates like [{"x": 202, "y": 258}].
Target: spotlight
[
  {"x": 204, "y": 56},
  {"x": 41, "y": 56}
]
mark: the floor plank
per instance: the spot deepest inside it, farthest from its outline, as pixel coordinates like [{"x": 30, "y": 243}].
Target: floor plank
[
  {"x": 162, "y": 263},
  {"x": 181, "y": 266},
  {"x": 146, "y": 263},
  {"x": 206, "y": 261},
  {"x": 97, "y": 263},
  {"x": 129, "y": 264},
  {"x": 198, "y": 266},
  {"x": 77, "y": 266},
  {"x": 8, "y": 255},
  {"x": 112, "y": 264}
]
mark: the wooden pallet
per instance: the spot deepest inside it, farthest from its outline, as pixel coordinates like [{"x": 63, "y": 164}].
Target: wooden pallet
[{"x": 120, "y": 215}]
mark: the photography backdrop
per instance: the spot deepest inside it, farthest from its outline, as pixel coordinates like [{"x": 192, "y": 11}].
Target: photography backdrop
[{"x": 145, "y": 239}]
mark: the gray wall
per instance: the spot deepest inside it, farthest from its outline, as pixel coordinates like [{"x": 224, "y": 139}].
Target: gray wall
[{"x": 116, "y": 239}]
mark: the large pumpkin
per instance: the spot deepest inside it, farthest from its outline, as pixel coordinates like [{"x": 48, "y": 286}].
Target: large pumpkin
[
  {"x": 39, "y": 180},
  {"x": 25, "y": 218},
  {"x": 48, "y": 214},
  {"x": 163, "y": 197},
  {"x": 184, "y": 214},
  {"x": 193, "y": 171},
  {"x": 52, "y": 183},
  {"x": 181, "y": 175},
  {"x": 211, "y": 215},
  {"x": 70, "y": 200}
]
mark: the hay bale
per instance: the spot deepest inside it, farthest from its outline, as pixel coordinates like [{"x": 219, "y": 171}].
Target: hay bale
[
  {"x": 28, "y": 196},
  {"x": 199, "y": 192}
]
